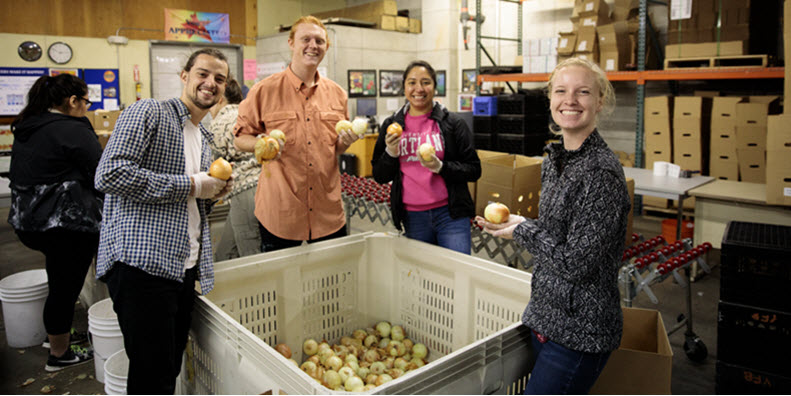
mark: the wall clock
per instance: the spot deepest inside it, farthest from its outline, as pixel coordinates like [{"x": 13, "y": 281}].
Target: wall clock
[
  {"x": 60, "y": 52},
  {"x": 29, "y": 51}
]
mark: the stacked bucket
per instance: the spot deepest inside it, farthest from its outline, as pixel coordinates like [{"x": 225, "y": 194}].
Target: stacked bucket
[{"x": 23, "y": 295}]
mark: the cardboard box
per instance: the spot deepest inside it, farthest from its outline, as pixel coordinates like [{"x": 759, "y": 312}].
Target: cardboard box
[
  {"x": 688, "y": 133},
  {"x": 104, "y": 137},
  {"x": 482, "y": 155},
  {"x": 645, "y": 345},
  {"x": 105, "y": 120},
  {"x": 752, "y": 165},
  {"x": 656, "y": 106},
  {"x": 689, "y": 159},
  {"x": 614, "y": 46},
  {"x": 706, "y": 49},
  {"x": 415, "y": 25},
  {"x": 402, "y": 24},
  {"x": 692, "y": 107},
  {"x": 567, "y": 43},
  {"x": 591, "y": 56},
  {"x": 787, "y": 46},
  {"x": 756, "y": 109},
  {"x": 658, "y": 140},
  {"x": 387, "y": 22},
  {"x": 751, "y": 137},
  {"x": 723, "y": 138},
  {"x": 724, "y": 107},
  {"x": 587, "y": 41},
  {"x": 597, "y": 8},
  {"x": 514, "y": 180},
  {"x": 724, "y": 167},
  {"x": 630, "y": 219},
  {"x": 593, "y": 22},
  {"x": 778, "y": 161}
]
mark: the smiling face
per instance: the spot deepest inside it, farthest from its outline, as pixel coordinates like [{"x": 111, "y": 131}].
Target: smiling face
[
  {"x": 419, "y": 90},
  {"x": 204, "y": 83},
  {"x": 308, "y": 46},
  {"x": 575, "y": 99}
]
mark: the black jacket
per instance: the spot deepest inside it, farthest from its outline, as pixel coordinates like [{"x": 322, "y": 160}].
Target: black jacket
[
  {"x": 576, "y": 243},
  {"x": 53, "y": 162},
  {"x": 460, "y": 165}
]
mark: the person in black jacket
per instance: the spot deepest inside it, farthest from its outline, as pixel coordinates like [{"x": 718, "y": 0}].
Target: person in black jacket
[
  {"x": 577, "y": 240},
  {"x": 54, "y": 206},
  {"x": 430, "y": 196}
]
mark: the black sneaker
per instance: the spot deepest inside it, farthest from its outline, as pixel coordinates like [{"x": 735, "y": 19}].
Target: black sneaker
[
  {"x": 74, "y": 356},
  {"x": 76, "y": 338}
]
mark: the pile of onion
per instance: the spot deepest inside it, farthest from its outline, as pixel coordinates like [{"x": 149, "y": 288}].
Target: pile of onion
[{"x": 368, "y": 358}]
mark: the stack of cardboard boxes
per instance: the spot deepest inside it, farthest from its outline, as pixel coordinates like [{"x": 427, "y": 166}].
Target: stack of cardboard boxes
[
  {"x": 723, "y": 163},
  {"x": 658, "y": 138},
  {"x": 601, "y": 36},
  {"x": 542, "y": 55},
  {"x": 103, "y": 122},
  {"x": 751, "y": 135},
  {"x": 384, "y": 13},
  {"x": 716, "y": 28}
]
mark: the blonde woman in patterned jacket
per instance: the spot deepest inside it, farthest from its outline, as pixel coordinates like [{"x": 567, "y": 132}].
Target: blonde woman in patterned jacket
[
  {"x": 577, "y": 240},
  {"x": 240, "y": 237}
]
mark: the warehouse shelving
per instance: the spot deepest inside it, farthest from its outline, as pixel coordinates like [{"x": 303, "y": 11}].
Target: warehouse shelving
[{"x": 640, "y": 77}]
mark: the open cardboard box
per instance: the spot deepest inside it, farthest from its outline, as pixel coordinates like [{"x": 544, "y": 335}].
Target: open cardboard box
[{"x": 643, "y": 363}]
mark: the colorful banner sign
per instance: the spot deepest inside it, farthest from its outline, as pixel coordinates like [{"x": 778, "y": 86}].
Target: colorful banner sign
[{"x": 186, "y": 25}]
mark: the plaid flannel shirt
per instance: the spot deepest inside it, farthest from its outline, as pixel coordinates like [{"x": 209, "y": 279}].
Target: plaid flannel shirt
[{"x": 142, "y": 173}]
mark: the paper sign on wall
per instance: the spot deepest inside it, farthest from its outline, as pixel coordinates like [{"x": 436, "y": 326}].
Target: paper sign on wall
[
  {"x": 270, "y": 68},
  {"x": 249, "y": 69},
  {"x": 680, "y": 9}
]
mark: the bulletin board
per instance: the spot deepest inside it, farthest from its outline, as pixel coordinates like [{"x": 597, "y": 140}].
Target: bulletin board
[
  {"x": 103, "y": 88},
  {"x": 168, "y": 58},
  {"x": 15, "y": 82}
]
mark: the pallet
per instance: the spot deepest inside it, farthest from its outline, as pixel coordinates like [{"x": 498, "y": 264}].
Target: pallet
[{"x": 719, "y": 62}]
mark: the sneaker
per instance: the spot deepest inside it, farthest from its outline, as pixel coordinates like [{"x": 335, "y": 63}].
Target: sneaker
[
  {"x": 74, "y": 356},
  {"x": 76, "y": 338}
]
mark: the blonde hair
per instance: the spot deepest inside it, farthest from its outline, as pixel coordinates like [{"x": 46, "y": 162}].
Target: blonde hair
[
  {"x": 606, "y": 91},
  {"x": 308, "y": 19}
]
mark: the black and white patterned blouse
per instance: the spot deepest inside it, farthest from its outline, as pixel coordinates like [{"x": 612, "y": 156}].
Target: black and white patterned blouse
[{"x": 577, "y": 242}]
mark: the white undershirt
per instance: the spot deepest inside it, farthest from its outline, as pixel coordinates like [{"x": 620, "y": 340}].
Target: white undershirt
[{"x": 192, "y": 153}]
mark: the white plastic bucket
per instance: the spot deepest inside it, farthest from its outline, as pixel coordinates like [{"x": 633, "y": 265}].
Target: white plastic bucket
[
  {"x": 23, "y": 295},
  {"x": 115, "y": 370},
  {"x": 106, "y": 336}
]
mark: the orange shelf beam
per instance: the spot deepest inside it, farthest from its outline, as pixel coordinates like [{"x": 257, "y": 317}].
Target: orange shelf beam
[{"x": 657, "y": 75}]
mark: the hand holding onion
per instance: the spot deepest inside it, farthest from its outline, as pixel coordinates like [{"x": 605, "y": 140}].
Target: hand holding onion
[
  {"x": 220, "y": 169},
  {"x": 346, "y": 133},
  {"x": 505, "y": 228}
]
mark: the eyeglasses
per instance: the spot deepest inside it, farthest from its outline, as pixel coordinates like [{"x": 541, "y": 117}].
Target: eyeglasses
[{"x": 88, "y": 102}]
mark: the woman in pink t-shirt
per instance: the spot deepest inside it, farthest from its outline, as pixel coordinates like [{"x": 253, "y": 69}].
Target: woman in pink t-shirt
[{"x": 429, "y": 197}]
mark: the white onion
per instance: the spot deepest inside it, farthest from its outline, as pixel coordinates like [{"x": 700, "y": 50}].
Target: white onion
[
  {"x": 333, "y": 363},
  {"x": 418, "y": 362},
  {"x": 350, "y": 358},
  {"x": 383, "y": 379},
  {"x": 384, "y": 329},
  {"x": 400, "y": 363},
  {"x": 363, "y": 372},
  {"x": 384, "y": 342},
  {"x": 397, "y": 333},
  {"x": 360, "y": 126},
  {"x": 360, "y": 334},
  {"x": 419, "y": 351},
  {"x": 408, "y": 344},
  {"x": 345, "y": 373},
  {"x": 368, "y": 387},
  {"x": 395, "y": 373},
  {"x": 370, "y": 340},
  {"x": 371, "y": 356},
  {"x": 378, "y": 368},
  {"x": 370, "y": 378},
  {"x": 332, "y": 379},
  {"x": 325, "y": 354},
  {"x": 353, "y": 382},
  {"x": 310, "y": 347},
  {"x": 354, "y": 366}
]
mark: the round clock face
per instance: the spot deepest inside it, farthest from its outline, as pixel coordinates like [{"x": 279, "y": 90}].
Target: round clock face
[
  {"x": 29, "y": 51},
  {"x": 60, "y": 52}
]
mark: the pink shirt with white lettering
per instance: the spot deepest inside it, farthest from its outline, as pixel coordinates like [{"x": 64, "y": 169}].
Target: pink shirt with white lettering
[{"x": 423, "y": 189}]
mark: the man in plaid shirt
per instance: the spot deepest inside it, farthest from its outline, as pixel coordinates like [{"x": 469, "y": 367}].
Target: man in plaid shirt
[{"x": 155, "y": 240}]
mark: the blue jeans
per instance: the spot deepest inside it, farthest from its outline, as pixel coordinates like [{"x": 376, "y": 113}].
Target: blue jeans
[
  {"x": 562, "y": 371},
  {"x": 435, "y": 226}
]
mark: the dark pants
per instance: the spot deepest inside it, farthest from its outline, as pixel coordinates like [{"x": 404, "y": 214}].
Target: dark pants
[
  {"x": 562, "y": 371},
  {"x": 154, "y": 314},
  {"x": 435, "y": 226},
  {"x": 270, "y": 242},
  {"x": 68, "y": 257}
]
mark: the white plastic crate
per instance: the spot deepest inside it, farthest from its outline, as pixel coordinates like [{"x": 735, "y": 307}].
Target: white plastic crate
[{"x": 464, "y": 309}]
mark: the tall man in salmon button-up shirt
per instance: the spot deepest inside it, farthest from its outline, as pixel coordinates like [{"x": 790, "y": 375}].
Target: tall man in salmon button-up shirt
[{"x": 299, "y": 192}]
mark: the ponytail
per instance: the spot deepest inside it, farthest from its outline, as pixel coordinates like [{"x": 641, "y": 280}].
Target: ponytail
[{"x": 48, "y": 92}]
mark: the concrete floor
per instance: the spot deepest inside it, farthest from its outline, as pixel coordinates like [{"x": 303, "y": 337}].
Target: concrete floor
[{"x": 18, "y": 365}]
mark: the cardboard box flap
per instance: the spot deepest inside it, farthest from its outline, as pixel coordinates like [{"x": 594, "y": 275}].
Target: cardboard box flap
[
  {"x": 692, "y": 107},
  {"x": 567, "y": 43}
]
